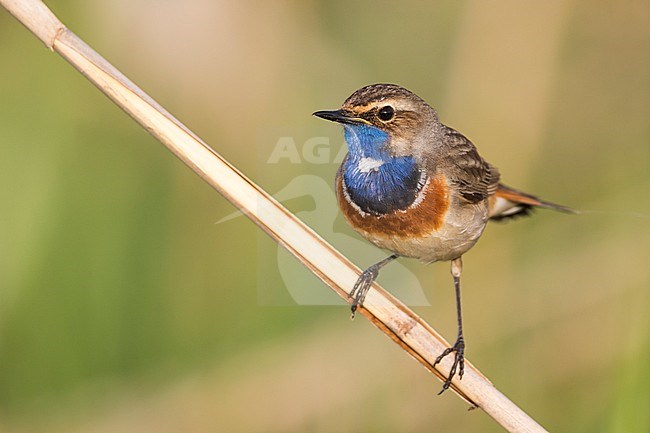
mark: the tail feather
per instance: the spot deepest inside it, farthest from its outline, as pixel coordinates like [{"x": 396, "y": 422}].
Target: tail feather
[{"x": 508, "y": 203}]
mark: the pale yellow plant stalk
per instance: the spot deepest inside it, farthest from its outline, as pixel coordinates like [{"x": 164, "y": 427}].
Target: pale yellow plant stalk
[{"x": 393, "y": 318}]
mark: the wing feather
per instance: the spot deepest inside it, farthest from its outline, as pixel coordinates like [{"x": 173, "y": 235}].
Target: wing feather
[{"x": 475, "y": 178}]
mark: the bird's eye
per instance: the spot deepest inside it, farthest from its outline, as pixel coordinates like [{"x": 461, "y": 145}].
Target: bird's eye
[{"x": 386, "y": 113}]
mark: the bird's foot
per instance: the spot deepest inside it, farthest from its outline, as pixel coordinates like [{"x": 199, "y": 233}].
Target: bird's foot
[
  {"x": 458, "y": 349},
  {"x": 362, "y": 286}
]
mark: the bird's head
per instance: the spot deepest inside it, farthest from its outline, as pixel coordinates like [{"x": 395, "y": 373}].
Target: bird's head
[{"x": 385, "y": 120}]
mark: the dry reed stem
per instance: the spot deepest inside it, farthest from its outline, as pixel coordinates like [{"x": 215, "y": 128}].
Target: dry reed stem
[{"x": 393, "y": 318}]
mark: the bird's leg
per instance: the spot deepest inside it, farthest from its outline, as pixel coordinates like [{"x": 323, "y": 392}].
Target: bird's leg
[
  {"x": 459, "y": 346},
  {"x": 365, "y": 280}
]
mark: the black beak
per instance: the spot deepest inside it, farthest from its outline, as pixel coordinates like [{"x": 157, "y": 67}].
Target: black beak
[{"x": 340, "y": 116}]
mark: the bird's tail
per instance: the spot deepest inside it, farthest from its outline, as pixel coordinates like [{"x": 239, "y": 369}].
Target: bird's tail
[{"x": 507, "y": 203}]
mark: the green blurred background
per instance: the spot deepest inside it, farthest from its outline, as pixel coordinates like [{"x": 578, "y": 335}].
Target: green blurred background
[{"x": 124, "y": 308}]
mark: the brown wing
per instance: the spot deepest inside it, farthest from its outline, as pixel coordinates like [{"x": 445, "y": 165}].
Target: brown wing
[{"x": 474, "y": 177}]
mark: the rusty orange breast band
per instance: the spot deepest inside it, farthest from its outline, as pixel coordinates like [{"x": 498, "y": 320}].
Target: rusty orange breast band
[{"x": 423, "y": 217}]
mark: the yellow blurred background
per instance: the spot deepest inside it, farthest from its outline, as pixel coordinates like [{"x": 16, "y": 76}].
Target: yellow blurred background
[{"x": 124, "y": 308}]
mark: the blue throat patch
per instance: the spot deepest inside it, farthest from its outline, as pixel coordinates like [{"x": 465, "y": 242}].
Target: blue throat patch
[{"x": 391, "y": 186}]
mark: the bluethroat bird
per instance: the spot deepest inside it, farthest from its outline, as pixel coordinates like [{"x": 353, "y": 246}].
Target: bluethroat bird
[{"x": 418, "y": 188}]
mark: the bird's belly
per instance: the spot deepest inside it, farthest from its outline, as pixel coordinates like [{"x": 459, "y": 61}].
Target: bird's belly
[{"x": 451, "y": 240}]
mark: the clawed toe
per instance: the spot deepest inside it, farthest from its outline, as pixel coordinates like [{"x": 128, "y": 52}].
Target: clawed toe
[
  {"x": 365, "y": 280},
  {"x": 361, "y": 288},
  {"x": 458, "y": 349}
]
